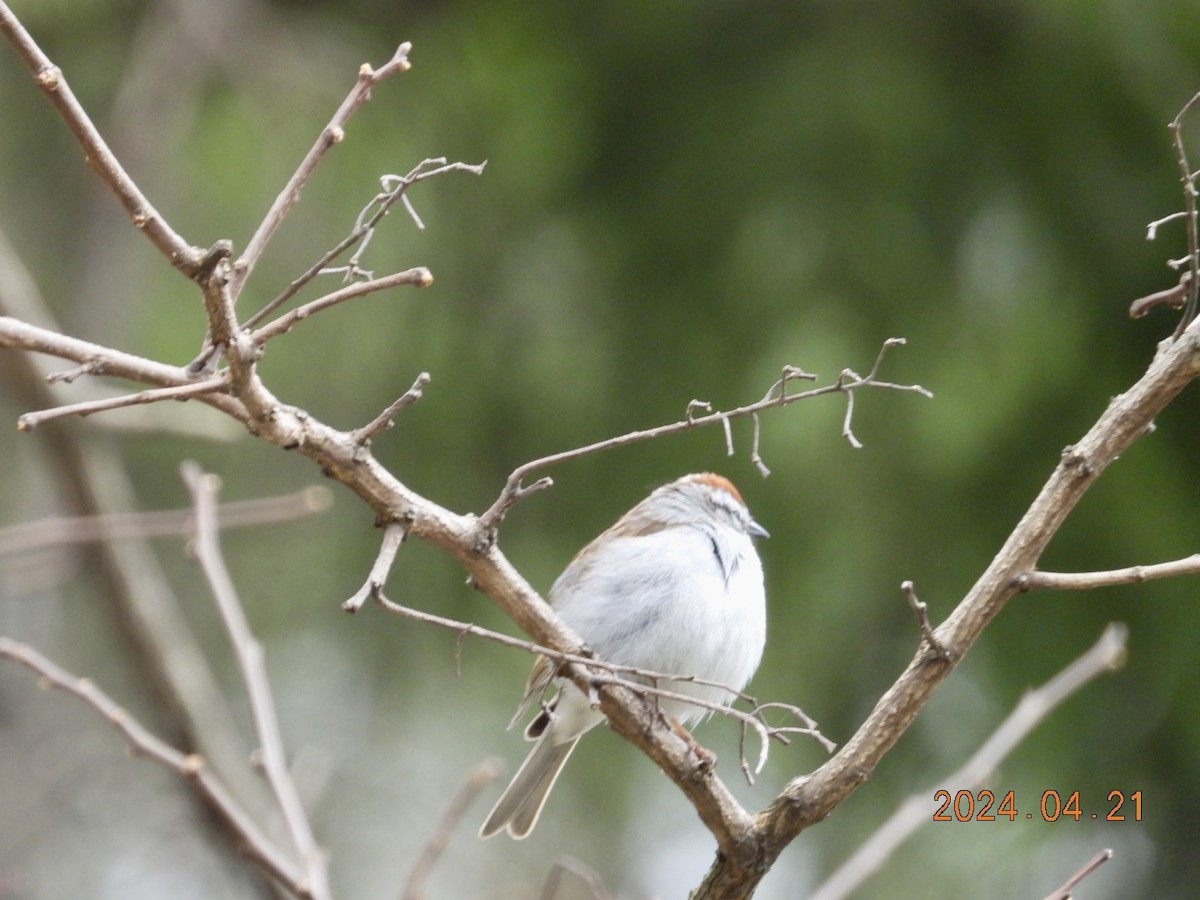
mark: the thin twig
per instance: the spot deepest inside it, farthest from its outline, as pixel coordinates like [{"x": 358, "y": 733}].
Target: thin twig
[
  {"x": 1187, "y": 179},
  {"x": 847, "y": 383},
  {"x": 419, "y": 277},
  {"x": 1152, "y": 228},
  {"x": 481, "y": 776},
  {"x": 1086, "y": 581},
  {"x": 387, "y": 418},
  {"x": 921, "y": 611},
  {"x": 364, "y": 228},
  {"x": 18, "y": 334},
  {"x": 646, "y": 683},
  {"x": 395, "y": 189},
  {"x": 249, "y": 654},
  {"x": 59, "y": 531},
  {"x": 1174, "y": 297},
  {"x": 1064, "y": 892},
  {"x": 331, "y": 134},
  {"x": 32, "y": 420},
  {"x": 191, "y": 766},
  {"x": 91, "y": 367},
  {"x": 779, "y": 733},
  {"x": 393, "y": 537},
  {"x": 755, "y": 455},
  {"x": 1106, "y": 655}
]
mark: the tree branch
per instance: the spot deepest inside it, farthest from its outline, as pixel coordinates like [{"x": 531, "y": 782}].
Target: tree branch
[
  {"x": 598, "y": 673},
  {"x": 1086, "y": 581},
  {"x": 481, "y": 776},
  {"x": 1187, "y": 179},
  {"x": 60, "y": 531},
  {"x": 53, "y": 84},
  {"x": 387, "y": 418},
  {"x": 1065, "y": 892},
  {"x": 191, "y": 766},
  {"x": 363, "y": 230},
  {"x": 249, "y": 654},
  {"x": 1106, "y": 655},
  {"x": 15, "y": 334},
  {"x": 847, "y": 383},
  {"x": 31, "y": 420},
  {"x": 333, "y": 133},
  {"x": 807, "y": 800},
  {"x": 418, "y": 277}
]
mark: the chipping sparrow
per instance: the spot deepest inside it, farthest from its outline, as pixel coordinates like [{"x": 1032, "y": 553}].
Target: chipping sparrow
[{"x": 674, "y": 586}]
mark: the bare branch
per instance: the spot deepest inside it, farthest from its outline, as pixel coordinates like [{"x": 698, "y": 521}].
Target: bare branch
[
  {"x": 1174, "y": 297},
  {"x": 1064, "y": 892},
  {"x": 61, "y": 531},
  {"x": 1189, "y": 205},
  {"x": 601, "y": 673},
  {"x": 419, "y": 277},
  {"x": 1086, "y": 581},
  {"x": 847, "y": 383},
  {"x": 1106, "y": 655},
  {"x": 191, "y": 766},
  {"x": 249, "y": 654},
  {"x": 53, "y": 84},
  {"x": 1152, "y": 228},
  {"x": 215, "y": 384},
  {"x": 481, "y": 776},
  {"x": 20, "y": 335},
  {"x": 364, "y": 228},
  {"x": 333, "y": 133},
  {"x": 808, "y": 799},
  {"x": 921, "y": 611},
  {"x": 393, "y": 537},
  {"x": 387, "y": 418},
  {"x": 755, "y": 455}
]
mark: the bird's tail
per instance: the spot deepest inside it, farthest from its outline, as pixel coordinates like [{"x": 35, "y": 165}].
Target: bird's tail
[{"x": 521, "y": 803}]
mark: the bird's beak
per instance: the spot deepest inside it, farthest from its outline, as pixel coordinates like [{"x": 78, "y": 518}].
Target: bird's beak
[{"x": 757, "y": 530}]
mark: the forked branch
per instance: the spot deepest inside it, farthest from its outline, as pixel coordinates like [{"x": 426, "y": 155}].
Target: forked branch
[
  {"x": 190, "y": 766},
  {"x": 848, "y": 382}
]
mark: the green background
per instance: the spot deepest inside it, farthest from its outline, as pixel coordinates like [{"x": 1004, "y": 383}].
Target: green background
[{"x": 679, "y": 199}]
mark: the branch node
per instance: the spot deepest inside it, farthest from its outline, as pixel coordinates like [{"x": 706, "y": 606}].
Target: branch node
[
  {"x": 193, "y": 763},
  {"x": 91, "y": 367},
  {"x": 222, "y": 249},
  {"x": 696, "y": 406},
  {"x": 49, "y": 78},
  {"x": 393, "y": 536}
]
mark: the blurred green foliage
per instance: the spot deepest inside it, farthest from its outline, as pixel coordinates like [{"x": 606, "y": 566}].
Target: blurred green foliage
[{"x": 679, "y": 199}]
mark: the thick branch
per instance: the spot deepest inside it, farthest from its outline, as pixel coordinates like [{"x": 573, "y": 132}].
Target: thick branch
[
  {"x": 1106, "y": 655},
  {"x": 807, "y": 800}
]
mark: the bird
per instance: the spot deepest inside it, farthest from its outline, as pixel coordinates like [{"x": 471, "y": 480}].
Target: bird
[{"x": 675, "y": 586}]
